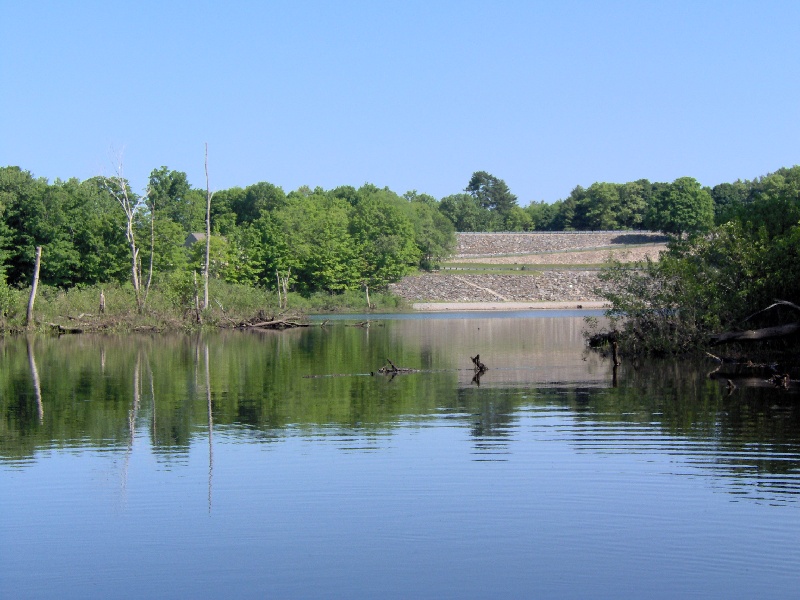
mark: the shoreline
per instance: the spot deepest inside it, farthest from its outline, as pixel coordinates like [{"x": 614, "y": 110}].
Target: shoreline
[{"x": 489, "y": 306}]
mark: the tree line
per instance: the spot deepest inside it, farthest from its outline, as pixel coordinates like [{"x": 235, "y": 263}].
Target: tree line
[
  {"x": 722, "y": 280},
  {"x": 315, "y": 239},
  {"x": 311, "y": 239},
  {"x": 677, "y": 207}
]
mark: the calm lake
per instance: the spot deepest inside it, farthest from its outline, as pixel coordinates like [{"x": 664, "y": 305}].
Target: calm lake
[{"x": 283, "y": 465}]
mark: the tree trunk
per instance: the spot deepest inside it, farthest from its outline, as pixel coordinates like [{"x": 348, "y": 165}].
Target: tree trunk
[
  {"x": 278, "y": 277},
  {"x": 208, "y": 236},
  {"x": 129, "y": 208},
  {"x": 765, "y": 333},
  {"x": 34, "y": 286},
  {"x": 283, "y": 288},
  {"x": 752, "y": 335},
  {"x": 134, "y": 263},
  {"x": 197, "y": 301},
  {"x": 152, "y": 252}
]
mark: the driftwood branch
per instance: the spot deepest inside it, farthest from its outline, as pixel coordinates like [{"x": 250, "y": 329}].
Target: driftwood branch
[
  {"x": 771, "y": 306},
  {"x": 479, "y": 366},
  {"x": 749, "y": 374},
  {"x": 62, "y": 329},
  {"x": 480, "y": 369},
  {"x": 391, "y": 369},
  {"x": 765, "y": 333},
  {"x": 275, "y": 324},
  {"x": 752, "y": 335}
]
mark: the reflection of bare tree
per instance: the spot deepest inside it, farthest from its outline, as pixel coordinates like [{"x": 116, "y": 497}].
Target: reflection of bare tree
[
  {"x": 137, "y": 393},
  {"x": 210, "y": 427},
  {"x": 37, "y": 387},
  {"x": 152, "y": 399},
  {"x": 132, "y": 414}
]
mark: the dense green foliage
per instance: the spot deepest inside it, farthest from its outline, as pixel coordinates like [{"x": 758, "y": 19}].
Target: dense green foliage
[
  {"x": 715, "y": 282},
  {"x": 735, "y": 245},
  {"x": 683, "y": 206},
  {"x": 323, "y": 241}
]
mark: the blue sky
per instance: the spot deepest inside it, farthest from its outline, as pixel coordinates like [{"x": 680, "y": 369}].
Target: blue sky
[{"x": 409, "y": 95}]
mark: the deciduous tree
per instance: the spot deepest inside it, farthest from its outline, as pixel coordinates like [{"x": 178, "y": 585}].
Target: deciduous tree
[{"x": 682, "y": 207}]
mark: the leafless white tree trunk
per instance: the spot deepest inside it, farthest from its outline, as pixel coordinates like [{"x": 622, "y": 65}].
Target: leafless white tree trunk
[
  {"x": 152, "y": 247},
  {"x": 283, "y": 287},
  {"x": 208, "y": 236},
  {"x": 197, "y": 312},
  {"x": 117, "y": 186},
  {"x": 34, "y": 285}
]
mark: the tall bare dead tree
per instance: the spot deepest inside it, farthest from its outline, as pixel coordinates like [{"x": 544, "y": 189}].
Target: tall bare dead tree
[
  {"x": 208, "y": 236},
  {"x": 34, "y": 286},
  {"x": 283, "y": 286},
  {"x": 117, "y": 186},
  {"x": 152, "y": 246}
]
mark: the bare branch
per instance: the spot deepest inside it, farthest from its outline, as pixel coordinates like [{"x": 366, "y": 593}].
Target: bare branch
[
  {"x": 208, "y": 236},
  {"x": 771, "y": 306},
  {"x": 117, "y": 186}
]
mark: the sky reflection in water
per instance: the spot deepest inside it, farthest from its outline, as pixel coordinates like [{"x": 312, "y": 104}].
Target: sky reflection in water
[{"x": 544, "y": 481}]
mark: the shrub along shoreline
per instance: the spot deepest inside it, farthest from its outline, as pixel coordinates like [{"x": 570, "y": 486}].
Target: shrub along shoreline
[{"x": 77, "y": 310}]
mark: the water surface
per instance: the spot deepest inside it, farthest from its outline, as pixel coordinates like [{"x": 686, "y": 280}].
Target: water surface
[{"x": 284, "y": 465}]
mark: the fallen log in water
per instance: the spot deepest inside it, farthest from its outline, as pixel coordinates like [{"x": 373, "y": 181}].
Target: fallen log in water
[
  {"x": 734, "y": 368},
  {"x": 779, "y": 382},
  {"x": 479, "y": 366},
  {"x": 362, "y": 324},
  {"x": 480, "y": 369},
  {"x": 391, "y": 369},
  {"x": 765, "y": 333},
  {"x": 279, "y": 324},
  {"x": 61, "y": 329},
  {"x": 750, "y": 374},
  {"x": 754, "y": 335}
]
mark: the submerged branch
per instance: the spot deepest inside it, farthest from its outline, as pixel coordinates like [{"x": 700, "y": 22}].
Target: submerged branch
[{"x": 752, "y": 335}]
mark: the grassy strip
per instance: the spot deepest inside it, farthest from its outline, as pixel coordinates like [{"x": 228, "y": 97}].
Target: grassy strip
[{"x": 169, "y": 309}]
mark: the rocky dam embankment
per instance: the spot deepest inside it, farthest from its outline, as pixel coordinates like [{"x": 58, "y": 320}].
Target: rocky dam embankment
[{"x": 566, "y": 271}]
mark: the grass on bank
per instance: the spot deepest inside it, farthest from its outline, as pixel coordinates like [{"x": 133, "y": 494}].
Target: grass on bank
[{"x": 171, "y": 307}]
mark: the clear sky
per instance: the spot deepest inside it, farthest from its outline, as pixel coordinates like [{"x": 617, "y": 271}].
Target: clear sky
[{"x": 404, "y": 94}]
